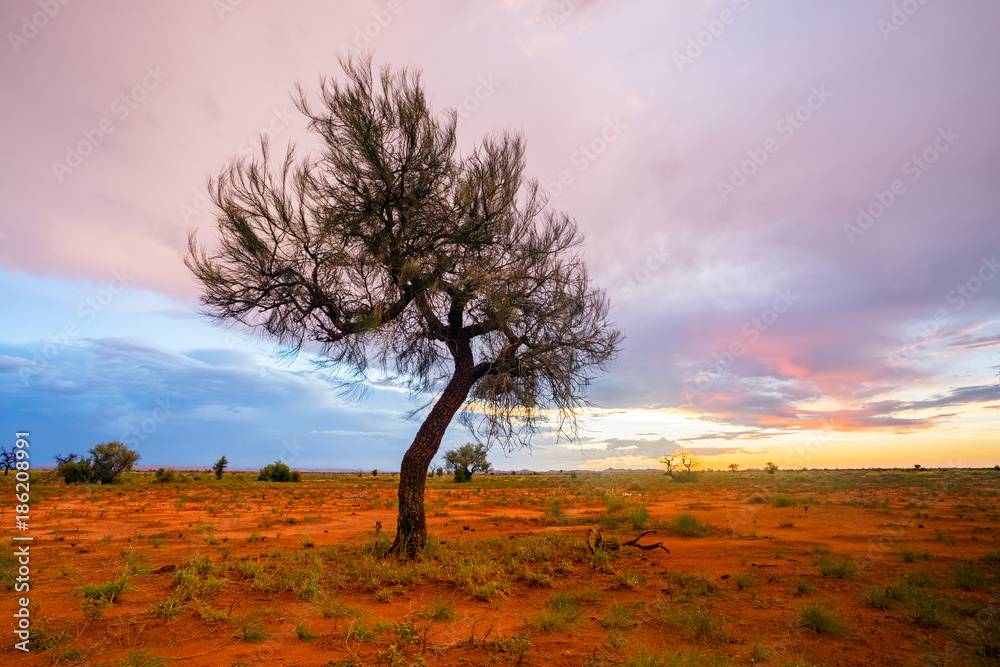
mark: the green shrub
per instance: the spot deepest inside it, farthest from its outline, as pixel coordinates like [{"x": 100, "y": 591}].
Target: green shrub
[
  {"x": 164, "y": 476},
  {"x": 110, "y": 459},
  {"x": 688, "y": 525},
  {"x": 277, "y": 472},
  {"x": 637, "y": 517},
  {"x": 106, "y": 462},
  {"x": 75, "y": 472}
]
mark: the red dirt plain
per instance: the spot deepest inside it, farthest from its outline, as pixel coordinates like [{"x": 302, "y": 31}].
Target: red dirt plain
[{"x": 223, "y": 573}]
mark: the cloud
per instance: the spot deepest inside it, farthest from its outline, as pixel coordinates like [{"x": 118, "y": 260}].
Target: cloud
[{"x": 889, "y": 330}]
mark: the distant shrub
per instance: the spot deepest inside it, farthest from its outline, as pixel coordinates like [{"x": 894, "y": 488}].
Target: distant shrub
[
  {"x": 220, "y": 467},
  {"x": 782, "y": 501},
  {"x": 771, "y": 467},
  {"x": 165, "y": 476},
  {"x": 75, "y": 472},
  {"x": 106, "y": 462},
  {"x": 278, "y": 472}
]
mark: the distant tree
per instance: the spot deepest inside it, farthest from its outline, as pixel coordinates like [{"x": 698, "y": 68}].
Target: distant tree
[
  {"x": 106, "y": 462},
  {"x": 682, "y": 466},
  {"x": 916, "y": 466},
  {"x": 690, "y": 462},
  {"x": 671, "y": 462},
  {"x": 440, "y": 471},
  {"x": 734, "y": 466},
  {"x": 220, "y": 467},
  {"x": 771, "y": 467},
  {"x": 466, "y": 460},
  {"x": 388, "y": 248},
  {"x": 111, "y": 459},
  {"x": 375, "y": 472},
  {"x": 278, "y": 472},
  {"x": 7, "y": 459},
  {"x": 61, "y": 460}
]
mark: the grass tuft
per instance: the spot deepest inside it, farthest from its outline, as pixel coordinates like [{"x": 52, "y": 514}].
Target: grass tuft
[{"x": 821, "y": 620}]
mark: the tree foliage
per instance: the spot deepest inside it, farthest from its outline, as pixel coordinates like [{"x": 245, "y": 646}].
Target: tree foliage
[
  {"x": 771, "y": 467},
  {"x": 466, "y": 460},
  {"x": 106, "y": 462},
  {"x": 7, "y": 459},
  {"x": 278, "y": 472},
  {"x": 682, "y": 466},
  {"x": 220, "y": 467},
  {"x": 387, "y": 249}
]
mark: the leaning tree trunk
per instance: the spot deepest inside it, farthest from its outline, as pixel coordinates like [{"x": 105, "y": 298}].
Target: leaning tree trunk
[{"x": 411, "y": 525}]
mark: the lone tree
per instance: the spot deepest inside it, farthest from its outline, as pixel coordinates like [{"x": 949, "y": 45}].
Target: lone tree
[
  {"x": 734, "y": 467},
  {"x": 220, "y": 467},
  {"x": 7, "y": 459},
  {"x": 389, "y": 250},
  {"x": 466, "y": 460}
]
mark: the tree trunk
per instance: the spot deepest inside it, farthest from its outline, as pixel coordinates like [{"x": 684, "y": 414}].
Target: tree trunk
[{"x": 411, "y": 526}]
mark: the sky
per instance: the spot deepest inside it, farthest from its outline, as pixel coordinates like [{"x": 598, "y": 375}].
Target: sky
[{"x": 793, "y": 208}]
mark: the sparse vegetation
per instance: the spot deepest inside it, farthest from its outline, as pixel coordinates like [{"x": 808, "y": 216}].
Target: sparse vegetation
[
  {"x": 467, "y": 460},
  {"x": 506, "y": 559},
  {"x": 819, "y": 619},
  {"x": 278, "y": 472},
  {"x": 220, "y": 467}
]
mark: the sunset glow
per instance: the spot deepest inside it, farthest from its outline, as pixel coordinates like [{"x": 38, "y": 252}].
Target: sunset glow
[{"x": 794, "y": 214}]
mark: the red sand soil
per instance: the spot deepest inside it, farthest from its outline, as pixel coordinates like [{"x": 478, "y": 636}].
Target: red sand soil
[{"x": 80, "y": 535}]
